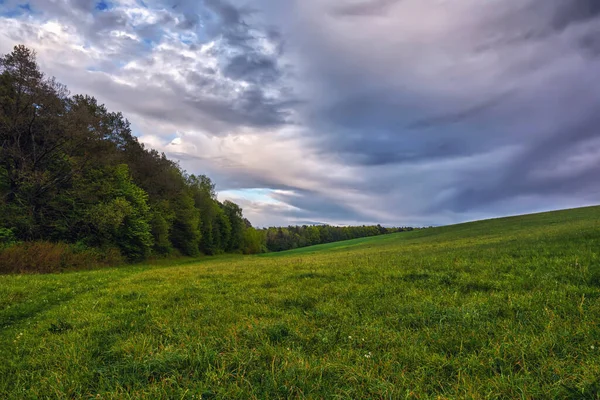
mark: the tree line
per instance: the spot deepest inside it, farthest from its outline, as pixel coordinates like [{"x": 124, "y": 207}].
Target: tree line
[
  {"x": 292, "y": 237},
  {"x": 71, "y": 171}
]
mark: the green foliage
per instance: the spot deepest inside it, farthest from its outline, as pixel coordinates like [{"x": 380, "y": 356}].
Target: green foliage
[
  {"x": 292, "y": 237},
  {"x": 221, "y": 231},
  {"x": 254, "y": 241},
  {"x": 108, "y": 217},
  {"x": 7, "y": 238},
  {"x": 185, "y": 234},
  {"x": 504, "y": 309},
  {"x": 134, "y": 234},
  {"x": 160, "y": 232},
  {"x": 233, "y": 214},
  {"x": 71, "y": 171},
  {"x": 123, "y": 219}
]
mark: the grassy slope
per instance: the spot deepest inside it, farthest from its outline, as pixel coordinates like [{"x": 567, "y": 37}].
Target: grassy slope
[{"x": 506, "y": 308}]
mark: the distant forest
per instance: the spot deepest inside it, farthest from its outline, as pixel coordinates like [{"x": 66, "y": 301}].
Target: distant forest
[{"x": 76, "y": 187}]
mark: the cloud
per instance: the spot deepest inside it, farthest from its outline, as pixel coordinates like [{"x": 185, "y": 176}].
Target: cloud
[
  {"x": 407, "y": 112},
  {"x": 364, "y": 8},
  {"x": 252, "y": 68},
  {"x": 143, "y": 52},
  {"x": 569, "y": 12},
  {"x": 425, "y": 82}
]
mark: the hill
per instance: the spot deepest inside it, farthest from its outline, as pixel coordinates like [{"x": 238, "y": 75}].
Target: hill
[{"x": 504, "y": 308}]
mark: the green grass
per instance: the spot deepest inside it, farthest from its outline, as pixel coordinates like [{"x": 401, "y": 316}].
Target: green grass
[{"x": 506, "y": 308}]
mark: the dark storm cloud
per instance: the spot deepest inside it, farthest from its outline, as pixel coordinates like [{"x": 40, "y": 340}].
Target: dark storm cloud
[
  {"x": 248, "y": 61},
  {"x": 574, "y": 11},
  {"x": 545, "y": 169},
  {"x": 456, "y": 115},
  {"x": 468, "y": 138},
  {"x": 376, "y": 114},
  {"x": 215, "y": 115},
  {"x": 220, "y": 17},
  {"x": 256, "y": 68},
  {"x": 537, "y": 20},
  {"x": 244, "y": 59},
  {"x": 252, "y": 108},
  {"x": 461, "y": 115},
  {"x": 381, "y": 131},
  {"x": 310, "y": 204}
]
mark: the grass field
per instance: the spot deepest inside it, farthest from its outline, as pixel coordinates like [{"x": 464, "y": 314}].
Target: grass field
[{"x": 506, "y": 308}]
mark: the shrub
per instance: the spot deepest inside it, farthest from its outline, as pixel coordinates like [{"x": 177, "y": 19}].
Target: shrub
[
  {"x": 7, "y": 238},
  {"x": 47, "y": 257}
]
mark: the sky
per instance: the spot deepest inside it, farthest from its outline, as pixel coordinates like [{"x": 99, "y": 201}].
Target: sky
[{"x": 399, "y": 112}]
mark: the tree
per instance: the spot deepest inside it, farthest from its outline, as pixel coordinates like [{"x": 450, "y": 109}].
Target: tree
[
  {"x": 254, "y": 241},
  {"x": 122, "y": 219},
  {"x": 238, "y": 226},
  {"x": 185, "y": 234},
  {"x": 31, "y": 138}
]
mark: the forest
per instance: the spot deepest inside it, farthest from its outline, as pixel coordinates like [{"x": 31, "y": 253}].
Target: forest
[{"x": 77, "y": 187}]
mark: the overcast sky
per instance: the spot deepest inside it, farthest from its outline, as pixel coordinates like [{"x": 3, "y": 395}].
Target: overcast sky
[{"x": 399, "y": 112}]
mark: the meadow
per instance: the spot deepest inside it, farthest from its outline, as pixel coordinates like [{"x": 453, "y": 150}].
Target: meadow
[{"x": 503, "y": 309}]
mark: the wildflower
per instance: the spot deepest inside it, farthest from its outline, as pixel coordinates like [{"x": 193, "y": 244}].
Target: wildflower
[
  {"x": 368, "y": 355},
  {"x": 350, "y": 337},
  {"x": 592, "y": 347}
]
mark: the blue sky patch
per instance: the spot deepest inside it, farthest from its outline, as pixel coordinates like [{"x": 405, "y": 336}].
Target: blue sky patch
[
  {"x": 102, "y": 5},
  {"x": 21, "y": 9}
]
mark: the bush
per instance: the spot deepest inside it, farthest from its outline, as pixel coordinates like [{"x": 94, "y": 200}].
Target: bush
[
  {"x": 7, "y": 238},
  {"x": 47, "y": 257}
]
